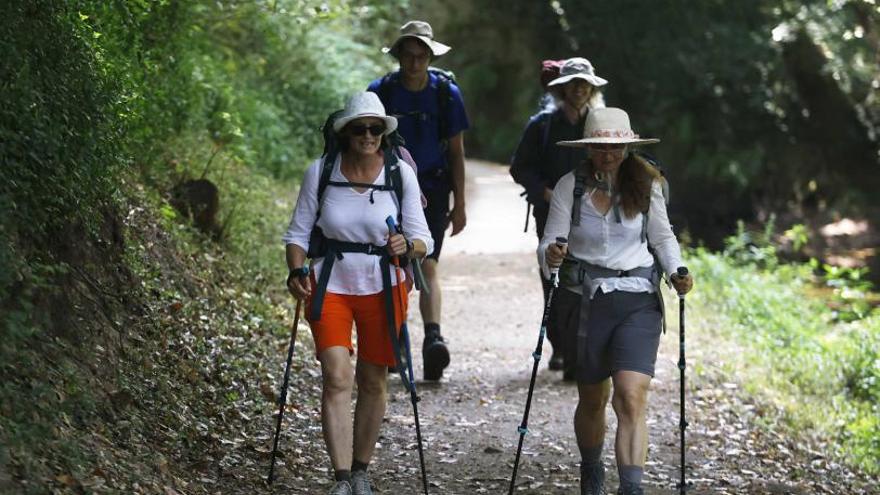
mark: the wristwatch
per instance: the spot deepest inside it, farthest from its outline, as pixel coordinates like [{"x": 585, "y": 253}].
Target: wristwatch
[{"x": 299, "y": 272}]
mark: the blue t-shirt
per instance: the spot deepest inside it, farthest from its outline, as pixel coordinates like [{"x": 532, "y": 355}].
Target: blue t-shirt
[{"x": 418, "y": 120}]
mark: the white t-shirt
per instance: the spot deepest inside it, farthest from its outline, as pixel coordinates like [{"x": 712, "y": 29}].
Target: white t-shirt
[
  {"x": 602, "y": 241},
  {"x": 351, "y": 216}
]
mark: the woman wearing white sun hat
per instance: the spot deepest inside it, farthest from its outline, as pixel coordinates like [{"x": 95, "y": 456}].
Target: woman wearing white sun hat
[
  {"x": 352, "y": 221},
  {"x": 611, "y": 210}
]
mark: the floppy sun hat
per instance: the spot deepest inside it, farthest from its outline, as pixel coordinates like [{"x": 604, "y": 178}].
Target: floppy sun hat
[
  {"x": 421, "y": 31},
  {"x": 577, "y": 68},
  {"x": 608, "y": 126},
  {"x": 366, "y": 104}
]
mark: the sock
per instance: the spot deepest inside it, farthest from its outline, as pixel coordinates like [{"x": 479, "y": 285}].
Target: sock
[
  {"x": 357, "y": 465},
  {"x": 432, "y": 328},
  {"x": 630, "y": 475},
  {"x": 591, "y": 455},
  {"x": 342, "y": 475}
]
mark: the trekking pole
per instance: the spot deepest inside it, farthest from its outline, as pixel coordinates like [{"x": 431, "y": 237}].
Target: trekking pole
[
  {"x": 282, "y": 400},
  {"x": 524, "y": 427},
  {"x": 404, "y": 331},
  {"x": 682, "y": 424}
]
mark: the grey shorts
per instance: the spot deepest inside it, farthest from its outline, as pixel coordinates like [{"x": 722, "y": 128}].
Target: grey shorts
[{"x": 620, "y": 332}]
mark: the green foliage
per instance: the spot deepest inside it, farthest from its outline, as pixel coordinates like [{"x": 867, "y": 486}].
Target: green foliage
[
  {"x": 823, "y": 370},
  {"x": 762, "y": 105},
  {"x": 100, "y": 98}
]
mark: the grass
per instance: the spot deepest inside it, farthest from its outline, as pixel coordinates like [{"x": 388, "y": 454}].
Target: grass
[{"x": 821, "y": 371}]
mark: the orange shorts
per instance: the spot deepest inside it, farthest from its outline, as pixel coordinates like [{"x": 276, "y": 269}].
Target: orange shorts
[{"x": 340, "y": 311}]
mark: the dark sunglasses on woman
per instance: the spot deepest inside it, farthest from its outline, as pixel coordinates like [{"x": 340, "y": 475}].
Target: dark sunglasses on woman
[{"x": 361, "y": 129}]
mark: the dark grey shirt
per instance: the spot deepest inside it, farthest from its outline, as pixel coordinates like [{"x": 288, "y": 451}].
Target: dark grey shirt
[{"x": 538, "y": 162}]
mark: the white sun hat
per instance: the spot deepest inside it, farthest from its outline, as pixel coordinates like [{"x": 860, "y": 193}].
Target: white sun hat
[
  {"x": 577, "y": 68},
  {"x": 366, "y": 104},
  {"x": 421, "y": 31},
  {"x": 608, "y": 126}
]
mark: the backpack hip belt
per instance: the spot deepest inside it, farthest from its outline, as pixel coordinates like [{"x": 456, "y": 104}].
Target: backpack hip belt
[
  {"x": 335, "y": 250},
  {"x": 578, "y": 272}
]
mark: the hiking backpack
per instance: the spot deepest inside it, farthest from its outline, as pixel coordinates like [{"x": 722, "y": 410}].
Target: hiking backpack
[
  {"x": 445, "y": 79},
  {"x": 393, "y": 179},
  {"x": 581, "y": 181}
]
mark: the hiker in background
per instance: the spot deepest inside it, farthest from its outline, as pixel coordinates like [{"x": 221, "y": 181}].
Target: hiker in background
[
  {"x": 429, "y": 106},
  {"x": 538, "y": 164},
  {"x": 612, "y": 209},
  {"x": 351, "y": 218}
]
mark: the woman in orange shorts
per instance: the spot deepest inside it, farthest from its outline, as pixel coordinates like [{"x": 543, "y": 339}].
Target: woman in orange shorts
[{"x": 345, "y": 287}]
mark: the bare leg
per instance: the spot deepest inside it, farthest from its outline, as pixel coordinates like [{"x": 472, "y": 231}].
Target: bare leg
[
  {"x": 338, "y": 379},
  {"x": 630, "y": 402},
  {"x": 370, "y": 408},
  {"x": 429, "y": 303},
  {"x": 589, "y": 416}
]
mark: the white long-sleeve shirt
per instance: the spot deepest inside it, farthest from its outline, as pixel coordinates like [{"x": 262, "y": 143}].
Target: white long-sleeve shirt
[
  {"x": 602, "y": 241},
  {"x": 348, "y": 215}
]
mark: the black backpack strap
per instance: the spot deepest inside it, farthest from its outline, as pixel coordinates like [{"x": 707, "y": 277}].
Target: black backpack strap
[
  {"x": 444, "y": 95},
  {"x": 384, "y": 90},
  {"x": 580, "y": 188},
  {"x": 545, "y": 137},
  {"x": 326, "y": 171}
]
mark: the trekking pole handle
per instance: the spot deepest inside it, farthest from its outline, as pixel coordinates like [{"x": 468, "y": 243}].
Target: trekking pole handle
[
  {"x": 554, "y": 271},
  {"x": 682, "y": 272},
  {"x": 392, "y": 225}
]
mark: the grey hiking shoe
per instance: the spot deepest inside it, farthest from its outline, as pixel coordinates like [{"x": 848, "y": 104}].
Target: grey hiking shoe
[
  {"x": 360, "y": 484},
  {"x": 630, "y": 489},
  {"x": 593, "y": 479},
  {"x": 341, "y": 488}
]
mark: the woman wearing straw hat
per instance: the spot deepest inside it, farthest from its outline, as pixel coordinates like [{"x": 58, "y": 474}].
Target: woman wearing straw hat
[
  {"x": 352, "y": 216},
  {"x": 538, "y": 164},
  {"x": 611, "y": 210}
]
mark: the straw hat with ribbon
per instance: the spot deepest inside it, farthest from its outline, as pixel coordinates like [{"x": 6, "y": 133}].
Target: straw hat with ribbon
[
  {"x": 421, "y": 31},
  {"x": 608, "y": 126}
]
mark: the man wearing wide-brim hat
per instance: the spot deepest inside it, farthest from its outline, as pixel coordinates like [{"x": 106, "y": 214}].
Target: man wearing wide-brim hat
[
  {"x": 432, "y": 120},
  {"x": 538, "y": 164}
]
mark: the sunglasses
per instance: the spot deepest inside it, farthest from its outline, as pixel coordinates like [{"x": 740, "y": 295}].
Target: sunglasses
[{"x": 361, "y": 129}]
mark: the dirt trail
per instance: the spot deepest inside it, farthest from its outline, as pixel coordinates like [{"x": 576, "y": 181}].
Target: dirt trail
[{"x": 491, "y": 316}]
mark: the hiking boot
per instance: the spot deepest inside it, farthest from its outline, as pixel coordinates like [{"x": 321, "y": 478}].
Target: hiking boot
[
  {"x": 593, "y": 479},
  {"x": 341, "y": 488},
  {"x": 435, "y": 355},
  {"x": 629, "y": 489},
  {"x": 556, "y": 361},
  {"x": 360, "y": 484}
]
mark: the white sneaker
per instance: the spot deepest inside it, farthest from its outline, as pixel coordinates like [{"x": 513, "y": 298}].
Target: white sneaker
[
  {"x": 360, "y": 484},
  {"x": 341, "y": 488}
]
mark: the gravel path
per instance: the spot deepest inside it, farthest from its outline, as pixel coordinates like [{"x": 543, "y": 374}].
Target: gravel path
[{"x": 491, "y": 314}]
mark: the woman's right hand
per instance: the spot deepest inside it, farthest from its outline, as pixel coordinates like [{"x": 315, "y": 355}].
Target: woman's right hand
[
  {"x": 555, "y": 253},
  {"x": 299, "y": 287}
]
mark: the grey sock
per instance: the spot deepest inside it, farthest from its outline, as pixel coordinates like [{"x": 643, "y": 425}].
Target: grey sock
[
  {"x": 631, "y": 475},
  {"x": 591, "y": 455}
]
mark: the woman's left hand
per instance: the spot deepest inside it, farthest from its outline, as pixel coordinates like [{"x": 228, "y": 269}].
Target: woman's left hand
[
  {"x": 397, "y": 245},
  {"x": 682, "y": 285}
]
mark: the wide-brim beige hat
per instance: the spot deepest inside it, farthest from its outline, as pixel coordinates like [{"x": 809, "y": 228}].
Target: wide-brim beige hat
[
  {"x": 577, "y": 68},
  {"x": 366, "y": 104},
  {"x": 421, "y": 31},
  {"x": 608, "y": 126}
]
